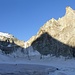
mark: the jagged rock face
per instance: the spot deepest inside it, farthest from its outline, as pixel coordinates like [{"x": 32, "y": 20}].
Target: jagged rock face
[
  {"x": 63, "y": 30},
  {"x": 8, "y": 43}
]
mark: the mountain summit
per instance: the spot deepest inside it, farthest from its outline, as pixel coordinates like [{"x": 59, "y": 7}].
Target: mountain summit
[
  {"x": 69, "y": 10},
  {"x": 61, "y": 30}
]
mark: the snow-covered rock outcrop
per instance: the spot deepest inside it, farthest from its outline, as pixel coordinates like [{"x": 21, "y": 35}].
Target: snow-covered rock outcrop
[{"x": 8, "y": 43}]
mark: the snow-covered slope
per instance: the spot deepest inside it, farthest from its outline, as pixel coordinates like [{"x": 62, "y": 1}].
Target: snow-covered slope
[
  {"x": 65, "y": 67},
  {"x": 6, "y": 35}
]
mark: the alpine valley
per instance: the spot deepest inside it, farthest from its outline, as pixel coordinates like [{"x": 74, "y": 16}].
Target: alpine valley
[{"x": 50, "y": 52}]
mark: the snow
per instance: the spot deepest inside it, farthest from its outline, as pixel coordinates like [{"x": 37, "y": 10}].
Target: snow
[
  {"x": 24, "y": 69},
  {"x": 5, "y": 35},
  {"x": 65, "y": 67},
  {"x": 9, "y": 45},
  {"x": 20, "y": 61}
]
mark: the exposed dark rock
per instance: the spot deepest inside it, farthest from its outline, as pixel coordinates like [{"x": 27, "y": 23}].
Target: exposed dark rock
[{"x": 46, "y": 44}]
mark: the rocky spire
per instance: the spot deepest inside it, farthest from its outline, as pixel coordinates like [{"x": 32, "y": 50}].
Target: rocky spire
[{"x": 70, "y": 11}]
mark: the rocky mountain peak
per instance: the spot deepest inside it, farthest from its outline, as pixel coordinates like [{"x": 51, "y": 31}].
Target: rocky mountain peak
[
  {"x": 68, "y": 20},
  {"x": 56, "y": 34},
  {"x": 53, "y": 20},
  {"x": 63, "y": 26},
  {"x": 69, "y": 10}
]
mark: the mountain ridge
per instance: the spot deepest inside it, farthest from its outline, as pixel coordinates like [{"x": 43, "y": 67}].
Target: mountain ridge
[
  {"x": 54, "y": 27},
  {"x": 10, "y": 44},
  {"x": 10, "y": 38},
  {"x": 54, "y": 33},
  {"x": 61, "y": 31}
]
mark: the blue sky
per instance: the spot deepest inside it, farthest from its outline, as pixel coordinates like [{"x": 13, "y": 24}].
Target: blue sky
[{"x": 23, "y": 18}]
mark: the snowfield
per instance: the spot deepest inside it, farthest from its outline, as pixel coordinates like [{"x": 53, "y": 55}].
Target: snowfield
[
  {"x": 10, "y": 65},
  {"x": 25, "y": 69},
  {"x": 18, "y": 63}
]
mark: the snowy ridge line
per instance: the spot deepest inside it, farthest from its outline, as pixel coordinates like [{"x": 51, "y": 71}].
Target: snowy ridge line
[{"x": 6, "y": 35}]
